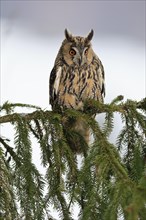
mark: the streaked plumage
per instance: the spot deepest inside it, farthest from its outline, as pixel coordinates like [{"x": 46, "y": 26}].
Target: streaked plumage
[{"x": 78, "y": 74}]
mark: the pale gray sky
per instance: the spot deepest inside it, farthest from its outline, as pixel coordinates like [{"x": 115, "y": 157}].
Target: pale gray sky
[{"x": 116, "y": 18}]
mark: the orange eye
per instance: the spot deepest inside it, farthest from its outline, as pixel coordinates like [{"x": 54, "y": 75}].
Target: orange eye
[
  {"x": 86, "y": 51},
  {"x": 72, "y": 52}
]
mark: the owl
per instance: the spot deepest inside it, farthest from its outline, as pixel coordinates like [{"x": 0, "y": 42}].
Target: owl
[{"x": 77, "y": 75}]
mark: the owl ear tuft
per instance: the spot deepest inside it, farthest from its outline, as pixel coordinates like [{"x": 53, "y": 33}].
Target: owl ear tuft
[
  {"x": 68, "y": 36},
  {"x": 89, "y": 36}
]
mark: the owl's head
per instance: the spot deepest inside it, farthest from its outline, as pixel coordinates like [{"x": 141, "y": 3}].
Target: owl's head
[{"x": 77, "y": 50}]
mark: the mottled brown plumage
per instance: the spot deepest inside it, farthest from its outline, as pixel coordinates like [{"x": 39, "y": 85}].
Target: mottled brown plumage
[{"x": 78, "y": 74}]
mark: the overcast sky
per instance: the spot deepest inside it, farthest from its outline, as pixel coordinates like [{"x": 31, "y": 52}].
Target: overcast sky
[
  {"x": 115, "y": 18},
  {"x": 32, "y": 32}
]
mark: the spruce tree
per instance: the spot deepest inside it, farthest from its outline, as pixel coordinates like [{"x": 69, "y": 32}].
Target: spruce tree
[{"x": 111, "y": 181}]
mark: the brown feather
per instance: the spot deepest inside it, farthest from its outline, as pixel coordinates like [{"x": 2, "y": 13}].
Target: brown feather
[{"x": 76, "y": 78}]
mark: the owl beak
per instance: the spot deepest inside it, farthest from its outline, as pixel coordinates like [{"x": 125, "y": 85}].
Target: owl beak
[{"x": 80, "y": 61}]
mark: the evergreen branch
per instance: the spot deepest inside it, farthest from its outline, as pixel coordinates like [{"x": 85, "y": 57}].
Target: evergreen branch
[
  {"x": 142, "y": 104},
  {"x": 72, "y": 196},
  {"x": 28, "y": 181},
  {"x": 107, "y": 178},
  {"x": 61, "y": 199},
  {"x": 11, "y": 151},
  {"x": 33, "y": 131},
  {"x": 27, "y": 116},
  {"x": 8, "y": 209},
  {"x": 9, "y": 107},
  {"x": 112, "y": 153},
  {"x": 39, "y": 129},
  {"x": 108, "y": 124},
  {"x": 91, "y": 107},
  {"x": 117, "y": 99}
]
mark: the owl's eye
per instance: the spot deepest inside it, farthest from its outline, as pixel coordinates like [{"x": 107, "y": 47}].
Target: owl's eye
[
  {"x": 86, "y": 52},
  {"x": 72, "y": 52}
]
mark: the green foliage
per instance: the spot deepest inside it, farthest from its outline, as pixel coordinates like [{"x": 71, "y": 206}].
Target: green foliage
[{"x": 111, "y": 181}]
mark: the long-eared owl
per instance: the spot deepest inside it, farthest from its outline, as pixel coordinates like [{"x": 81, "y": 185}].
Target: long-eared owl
[{"x": 77, "y": 75}]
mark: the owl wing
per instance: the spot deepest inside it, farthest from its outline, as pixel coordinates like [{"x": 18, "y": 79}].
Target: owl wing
[
  {"x": 55, "y": 76},
  {"x": 102, "y": 81},
  {"x": 101, "y": 77}
]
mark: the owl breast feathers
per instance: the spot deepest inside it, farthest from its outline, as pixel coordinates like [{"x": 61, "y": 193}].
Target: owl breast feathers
[{"x": 78, "y": 74}]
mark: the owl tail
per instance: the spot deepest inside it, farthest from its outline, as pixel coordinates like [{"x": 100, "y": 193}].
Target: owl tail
[
  {"x": 77, "y": 135},
  {"x": 83, "y": 129}
]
